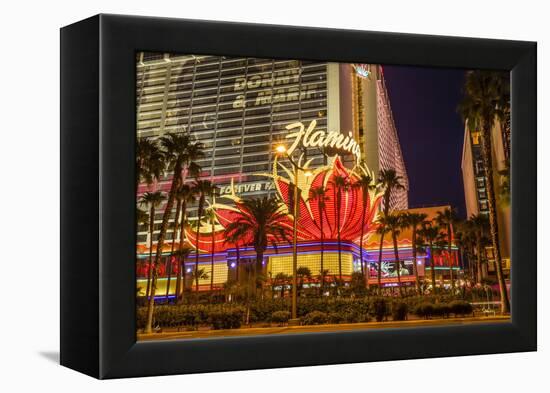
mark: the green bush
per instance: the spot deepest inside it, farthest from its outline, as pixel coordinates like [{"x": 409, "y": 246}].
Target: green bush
[
  {"x": 460, "y": 307},
  {"x": 379, "y": 309},
  {"x": 424, "y": 310},
  {"x": 336, "y": 317},
  {"x": 230, "y": 319},
  {"x": 280, "y": 317},
  {"x": 441, "y": 310},
  {"x": 315, "y": 318},
  {"x": 399, "y": 311}
]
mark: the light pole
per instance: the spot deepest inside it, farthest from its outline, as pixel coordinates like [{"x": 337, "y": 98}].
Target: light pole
[{"x": 281, "y": 149}]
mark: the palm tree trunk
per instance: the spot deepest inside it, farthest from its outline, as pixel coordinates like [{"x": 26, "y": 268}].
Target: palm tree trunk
[
  {"x": 150, "y": 263},
  {"x": 212, "y": 260},
  {"x": 238, "y": 262},
  {"x": 169, "y": 263},
  {"x": 259, "y": 267},
  {"x": 479, "y": 261},
  {"x": 398, "y": 262},
  {"x": 322, "y": 284},
  {"x": 491, "y": 201},
  {"x": 451, "y": 259},
  {"x": 380, "y": 264},
  {"x": 415, "y": 267},
  {"x": 160, "y": 244},
  {"x": 180, "y": 284},
  {"x": 432, "y": 266},
  {"x": 365, "y": 277},
  {"x": 338, "y": 201},
  {"x": 199, "y": 216}
]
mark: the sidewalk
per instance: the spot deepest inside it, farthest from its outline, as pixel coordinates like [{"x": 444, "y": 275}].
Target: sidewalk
[{"x": 254, "y": 331}]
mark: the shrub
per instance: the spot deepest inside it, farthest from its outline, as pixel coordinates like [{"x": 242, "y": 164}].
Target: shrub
[
  {"x": 379, "y": 309},
  {"x": 336, "y": 317},
  {"x": 230, "y": 319},
  {"x": 280, "y": 317},
  {"x": 315, "y": 318},
  {"x": 441, "y": 310},
  {"x": 460, "y": 307},
  {"x": 399, "y": 311},
  {"x": 424, "y": 310}
]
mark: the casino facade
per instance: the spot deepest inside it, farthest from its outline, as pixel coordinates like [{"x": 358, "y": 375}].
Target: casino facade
[{"x": 241, "y": 109}]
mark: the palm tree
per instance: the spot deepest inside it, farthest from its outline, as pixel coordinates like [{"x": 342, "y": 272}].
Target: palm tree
[
  {"x": 260, "y": 219},
  {"x": 302, "y": 273},
  {"x": 150, "y": 162},
  {"x": 201, "y": 188},
  {"x": 152, "y": 200},
  {"x": 414, "y": 221},
  {"x": 199, "y": 274},
  {"x": 282, "y": 279},
  {"x": 485, "y": 101},
  {"x": 465, "y": 241},
  {"x": 180, "y": 254},
  {"x": 446, "y": 219},
  {"x": 393, "y": 223},
  {"x": 319, "y": 194},
  {"x": 382, "y": 229},
  {"x": 389, "y": 181},
  {"x": 142, "y": 217},
  {"x": 185, "y": 195},
  {"x": 480, "y": 227},
  {"x": 429, "y": 234},
  {"x": 341, "y": 184},
  {"x": 174, "y": 235},
  {"x": 178, "y": 150},
  {"x": 322, "y": 279},
  {"x": 212, "y": 219},
  {"x": 365, "y": 184}
]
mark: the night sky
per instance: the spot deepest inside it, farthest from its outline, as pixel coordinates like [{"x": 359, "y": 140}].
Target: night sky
[{"x": 431, "y": 132}]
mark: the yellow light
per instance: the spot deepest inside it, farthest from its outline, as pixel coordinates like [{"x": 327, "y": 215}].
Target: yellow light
[
  {"x": 308, "y": 174},
  {"x": 281, "y": 149}
]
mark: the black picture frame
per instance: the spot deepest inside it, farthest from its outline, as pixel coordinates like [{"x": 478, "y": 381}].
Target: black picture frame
[{"x": 98, "y": 112}]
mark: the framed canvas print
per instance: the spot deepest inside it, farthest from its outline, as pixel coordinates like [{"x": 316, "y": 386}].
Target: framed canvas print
[{"x": 239, "y": 196}]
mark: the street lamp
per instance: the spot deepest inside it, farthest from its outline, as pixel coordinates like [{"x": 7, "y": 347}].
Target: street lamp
[{"x": 281, "y": 149}]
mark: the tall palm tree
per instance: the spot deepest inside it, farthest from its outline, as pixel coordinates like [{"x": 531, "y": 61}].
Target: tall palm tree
[
  {"x": 485, "y": 97},
  {"x": 185, "y": 195},
  {"x": 447, "y": 219},
  {"x": 177, "y": 149},
  {"x": 414, "y": 221},
  {"x": 152, "y": 200},
  {"x": 150, "y": 162},
  {"x": 319, "y": 194},
  {"x": 390, "y": 181},
  {"x": 341, "y": 184},
  {"x": 365, "y": 184},
  {"x": 429, "y": 234},
  {"x": 394, "y": 223},
  {"x": 201, "y": 188},
  {"x": 262, "y": 221}
]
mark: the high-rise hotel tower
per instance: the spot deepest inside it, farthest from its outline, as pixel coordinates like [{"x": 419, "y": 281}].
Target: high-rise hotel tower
[{"x": 239, "y": 108}]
